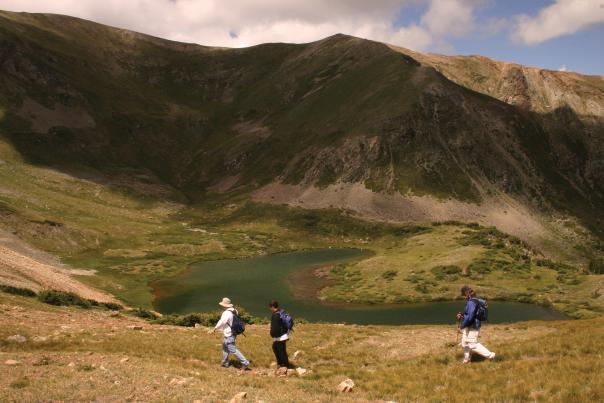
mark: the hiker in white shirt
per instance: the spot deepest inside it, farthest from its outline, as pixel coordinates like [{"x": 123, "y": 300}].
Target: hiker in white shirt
[{"x": 225, "y": 325}]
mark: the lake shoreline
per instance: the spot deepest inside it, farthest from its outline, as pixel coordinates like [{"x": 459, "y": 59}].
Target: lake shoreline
[{"x": 295, "y": 279}]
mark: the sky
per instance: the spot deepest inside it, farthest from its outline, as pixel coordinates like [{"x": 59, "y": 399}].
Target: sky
[{"x": 563, "y": 35}]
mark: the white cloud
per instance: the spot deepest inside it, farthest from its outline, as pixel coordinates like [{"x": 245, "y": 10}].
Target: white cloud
[
  {"x": 449, "y": 17},
  {"x": 239, "y": 23},
  {"x": 564, "y": 17}
]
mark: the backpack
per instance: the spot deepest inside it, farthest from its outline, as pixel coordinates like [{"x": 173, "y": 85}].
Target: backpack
[
  {"x": 482, "y": 309},
  {"x": 287, "y": 320},
  {"x": 238, "y": 326}
]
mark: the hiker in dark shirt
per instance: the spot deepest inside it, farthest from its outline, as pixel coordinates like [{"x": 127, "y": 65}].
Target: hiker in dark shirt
[{"x": 280, "y": 335}]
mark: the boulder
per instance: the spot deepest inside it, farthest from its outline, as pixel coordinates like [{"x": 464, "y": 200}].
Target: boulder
[
  {"x": 12, "y": 362},
  {"x": 239, "y": 397},
  {"x": 282, "y": 371},
  {"x": 125, "y": 359},
  {"x": 135, "y": 327},
  {"x": 17, "y": 338},
  {"x": 301, "y": 371},
  {"x": 346, "y": 386}
]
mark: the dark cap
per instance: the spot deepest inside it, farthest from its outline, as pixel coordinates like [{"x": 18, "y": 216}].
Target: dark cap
[{"x": 465, "y": 289}]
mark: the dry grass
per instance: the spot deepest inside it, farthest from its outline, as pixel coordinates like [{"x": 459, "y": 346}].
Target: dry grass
[{"x": 82, "y": 358}]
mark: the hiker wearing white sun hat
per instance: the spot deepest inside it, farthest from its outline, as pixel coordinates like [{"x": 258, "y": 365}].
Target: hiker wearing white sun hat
[{"x": 230, "y": 332}]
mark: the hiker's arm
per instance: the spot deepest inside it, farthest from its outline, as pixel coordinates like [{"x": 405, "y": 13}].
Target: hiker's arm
[
  {"x": 224, "y": 318},
  {"x": 469, "y": 314}
]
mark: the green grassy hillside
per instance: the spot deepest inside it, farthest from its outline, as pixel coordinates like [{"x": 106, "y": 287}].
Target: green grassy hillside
[
  {"x": 131, "y": 235},
  {"x": 341, "y": 109}
]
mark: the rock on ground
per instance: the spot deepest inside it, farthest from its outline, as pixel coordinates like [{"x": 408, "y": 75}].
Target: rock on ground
[
  {"x": 17, "y": 338},
  {"x": 239, "y": 397},
  {"x": 346, "y": 386}
]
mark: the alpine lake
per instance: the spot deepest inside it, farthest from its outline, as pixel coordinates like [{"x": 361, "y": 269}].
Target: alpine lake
[{"x": 252, "y": 282}]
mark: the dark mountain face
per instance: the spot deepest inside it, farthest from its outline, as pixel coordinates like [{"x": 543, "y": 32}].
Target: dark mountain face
[{"x": 341, "y": 109}]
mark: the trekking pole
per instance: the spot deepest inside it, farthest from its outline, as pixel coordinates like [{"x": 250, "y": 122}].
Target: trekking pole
[{"x": 457, "y": 331}]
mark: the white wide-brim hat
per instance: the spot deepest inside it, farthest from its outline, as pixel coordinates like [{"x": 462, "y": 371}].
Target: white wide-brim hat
[{"x": 225, "y": 303}]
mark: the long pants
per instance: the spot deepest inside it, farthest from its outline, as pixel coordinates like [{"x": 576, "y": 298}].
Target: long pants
[
  {"x": 280, "y": 350},
  {"x": 228, "y": 347},
  {"x": 470, "y": 344}
]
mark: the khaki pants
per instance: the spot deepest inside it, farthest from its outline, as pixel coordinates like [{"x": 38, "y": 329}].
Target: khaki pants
[{"x": 470, "y": 344}]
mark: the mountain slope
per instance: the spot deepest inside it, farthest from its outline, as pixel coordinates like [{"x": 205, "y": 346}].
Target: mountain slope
[{"x": 338, "y": 112}]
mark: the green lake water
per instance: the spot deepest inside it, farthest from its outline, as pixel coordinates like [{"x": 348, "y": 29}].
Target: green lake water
[{"x": 252, "y": 282}]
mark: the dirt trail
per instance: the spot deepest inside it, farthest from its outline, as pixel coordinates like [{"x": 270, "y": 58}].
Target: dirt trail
[{"x": 23, "y": 266}]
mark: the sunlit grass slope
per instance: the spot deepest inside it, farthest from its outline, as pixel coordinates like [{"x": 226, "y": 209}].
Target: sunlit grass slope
[{"x": 75, "y": 354}]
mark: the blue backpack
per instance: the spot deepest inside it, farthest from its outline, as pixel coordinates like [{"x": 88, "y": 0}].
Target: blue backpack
[
  {"x": 238, "y": 326},
  {"x": 287, "y": 320},
  {"x": 482, "y": 309}
]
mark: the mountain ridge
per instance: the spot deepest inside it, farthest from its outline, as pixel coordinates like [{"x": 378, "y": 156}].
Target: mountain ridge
[{"x": 341, "y": 110}]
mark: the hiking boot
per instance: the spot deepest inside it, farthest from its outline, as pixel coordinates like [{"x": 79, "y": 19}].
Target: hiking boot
[
  {"x": 225, "y": 365},
  {"x": 246, "y": 367},
  {"x": 491, "y": 357}
]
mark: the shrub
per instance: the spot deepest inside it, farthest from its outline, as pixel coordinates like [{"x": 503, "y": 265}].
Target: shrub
[
  {"x": 389, "y": 275},
  {"x": 409, "y": 230},
  {"x": 557, "y": 266},
  {"x": 62, "y": 298},
  {"x": 204, "y": 319},
  {"x": 144, "y": 314},
  {"x": 448, "y": 271},
  {"x": 112, "y": 306},
  {"x": 596, "y": 266},
  {"x": 24, "y": 292},
  {"x": 423, "y": 288}
]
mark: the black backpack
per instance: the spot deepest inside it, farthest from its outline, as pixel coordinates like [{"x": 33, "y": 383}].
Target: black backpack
[
  {"x": 482, "y": 309},
  {"x": 238, "y": 326}
]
